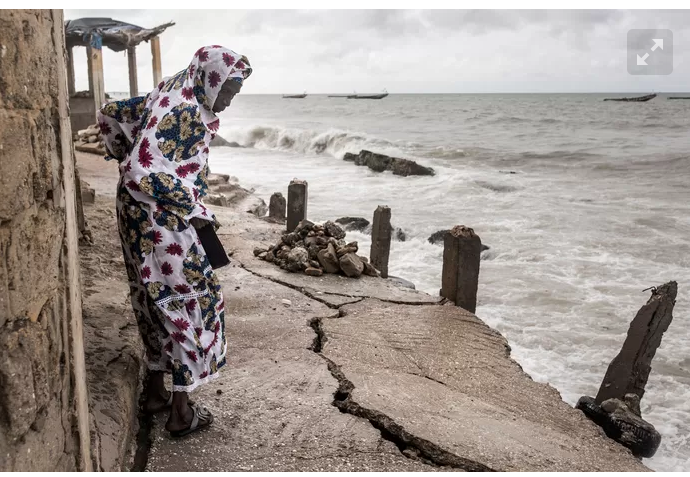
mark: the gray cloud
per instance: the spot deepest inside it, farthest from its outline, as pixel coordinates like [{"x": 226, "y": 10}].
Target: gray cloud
[{"x": 409, "y": 50}]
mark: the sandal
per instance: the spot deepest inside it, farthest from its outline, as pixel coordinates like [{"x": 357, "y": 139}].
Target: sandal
[{"x": 202, "y": 419}]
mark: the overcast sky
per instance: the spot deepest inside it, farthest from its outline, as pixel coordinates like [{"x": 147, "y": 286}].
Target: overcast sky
[{"x": 407, "y": 51}]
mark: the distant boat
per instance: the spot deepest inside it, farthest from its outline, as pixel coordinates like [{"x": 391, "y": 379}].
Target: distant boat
[
  {"x": 295, "y": 96},
  {"x": 679, "y": 97},
  {"x": 368, "y": 96},
  {"x": 640, "y": 99}
]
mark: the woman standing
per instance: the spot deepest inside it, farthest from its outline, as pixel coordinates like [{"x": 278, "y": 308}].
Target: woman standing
[{"x": 161, "y": 142}]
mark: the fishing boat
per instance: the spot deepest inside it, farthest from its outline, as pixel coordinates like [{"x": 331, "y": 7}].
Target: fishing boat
[
  {"x": 639, "y": 99},
  {"x": 369, "y": 96},
  {"x": 295, "y": 96}
]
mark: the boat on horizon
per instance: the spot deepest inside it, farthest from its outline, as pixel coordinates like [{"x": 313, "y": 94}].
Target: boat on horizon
[
  {"x": 369, "y": 96},
  {"x": 639, "y": 99},
  {"x": 295, "y": 96}
]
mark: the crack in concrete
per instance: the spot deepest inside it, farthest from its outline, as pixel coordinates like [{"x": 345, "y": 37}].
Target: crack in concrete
[{"x": 411, "y": 446}]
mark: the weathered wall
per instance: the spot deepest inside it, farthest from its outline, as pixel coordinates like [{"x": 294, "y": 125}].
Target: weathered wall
[{"x": 42, "y": 391}]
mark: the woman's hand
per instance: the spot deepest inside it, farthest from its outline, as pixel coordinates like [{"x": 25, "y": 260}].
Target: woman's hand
[{"x": 198, "y": 223}]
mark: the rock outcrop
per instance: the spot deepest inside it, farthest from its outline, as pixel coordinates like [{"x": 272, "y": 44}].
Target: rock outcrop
[
  {"x": 224, "y": 193},
  {"x": 381, "y": 162}
]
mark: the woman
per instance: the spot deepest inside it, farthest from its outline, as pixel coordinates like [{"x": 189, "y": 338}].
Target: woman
[{"x": 161, "y": 143}]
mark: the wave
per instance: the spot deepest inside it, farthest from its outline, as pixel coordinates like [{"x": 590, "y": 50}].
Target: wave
[{"x": 334, "y": 142}]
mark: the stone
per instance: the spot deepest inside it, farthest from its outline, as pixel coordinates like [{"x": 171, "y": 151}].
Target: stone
[
  {"x": 217, "y": 179},
  {"x": 216, "y": 199},
  {"x": 298, "y": 259},
  {"x": 277, "y": 207},
  {"x": 351, "y": 265},
  {"x": 405, "y": 167},
  {"x": 381, "y": 162},
  {"x": 399, "y": 234},
  {"x": 88, "y": 195},
  {"x": 358, "y": 224},
  {"x": 313, "y": 272},
  {"x": 92, "y": 139},
  {"x": 352, "y": 247},
  {"x": 329, "y": 260},
  {"x": 334, "y": 230},
  {"x": 381, "y": 240},
  {"x": 257, "y": 207},
  {"x": 369, "y": 269},
  {"x": 258, "y": 251},
  {"x": 629, "y": 370},
  {"x": 460, "y": 276}
]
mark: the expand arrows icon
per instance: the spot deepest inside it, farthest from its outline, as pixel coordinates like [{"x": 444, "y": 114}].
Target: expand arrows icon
[{"x": 658, "y": 43}]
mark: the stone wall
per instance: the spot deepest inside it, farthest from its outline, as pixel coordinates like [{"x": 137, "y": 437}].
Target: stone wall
[{"x": 43, "y": 408}]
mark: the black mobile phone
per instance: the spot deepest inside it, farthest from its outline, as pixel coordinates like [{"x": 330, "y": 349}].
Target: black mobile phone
[{"x": 215, "y": 252}]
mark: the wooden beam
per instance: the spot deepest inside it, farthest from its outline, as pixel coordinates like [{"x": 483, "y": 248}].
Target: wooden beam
[
  {"x": 96, "y": 85},
  {"x": 71, "y": 87},
  {"x": 132, "y": 63},
  {"x": 156, "y": 61}
]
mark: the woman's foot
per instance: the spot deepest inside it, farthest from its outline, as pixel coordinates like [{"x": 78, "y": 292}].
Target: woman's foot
[
  {"x": 185, "y": 417},
  {"x": 157, "y": 397}
]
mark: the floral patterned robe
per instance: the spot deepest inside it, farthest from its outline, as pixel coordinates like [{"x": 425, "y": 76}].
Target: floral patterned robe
[{"x": 161, "y": 143}]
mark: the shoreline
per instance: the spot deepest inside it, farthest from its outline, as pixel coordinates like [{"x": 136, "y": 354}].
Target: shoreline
[{"x": 316, "y": 358}]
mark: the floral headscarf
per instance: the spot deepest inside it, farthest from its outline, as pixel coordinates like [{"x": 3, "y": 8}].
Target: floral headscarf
[{"x": 161, "y": 140}]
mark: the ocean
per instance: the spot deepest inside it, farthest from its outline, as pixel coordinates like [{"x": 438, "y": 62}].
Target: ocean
[{"x": 584, "y": 204}]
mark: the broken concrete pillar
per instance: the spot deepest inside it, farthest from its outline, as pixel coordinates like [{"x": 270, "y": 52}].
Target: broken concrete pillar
[
  {"x": 381, "y": 239},
  {"x": 297, "y": 203},
  {"x": 460, "y": 277},
  {"x": 629, "y": 371},
  {"x": 277, "y": 206}
]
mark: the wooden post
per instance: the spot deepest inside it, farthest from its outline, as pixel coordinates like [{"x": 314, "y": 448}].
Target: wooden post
[
  {"x": 132, "y": 64},
  {"x": 297, "y": 203},
  {"x": 276, "y": 207},
  {"x": 96, "y": 85},
  {"x": 156, "y": 61},
  {"x": 460, "y": 278},
  {"x": 381, "y": 231},
  {"x": 71, "y": 84},
  {"x": 629, "y": 371}
]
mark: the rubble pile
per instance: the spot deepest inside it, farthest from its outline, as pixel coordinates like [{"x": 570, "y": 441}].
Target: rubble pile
[
  {"x": 317, "y": 249},
  {"x": 90, "y": 140}
]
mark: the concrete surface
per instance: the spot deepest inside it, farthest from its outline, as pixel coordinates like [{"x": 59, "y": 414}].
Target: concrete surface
[{"x": 332, "y": 373}]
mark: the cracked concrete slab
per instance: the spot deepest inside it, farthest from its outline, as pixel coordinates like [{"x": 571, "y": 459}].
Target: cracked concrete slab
[
  {"x": 273, "y": 402},
  {"x": 443, "y": 376}
]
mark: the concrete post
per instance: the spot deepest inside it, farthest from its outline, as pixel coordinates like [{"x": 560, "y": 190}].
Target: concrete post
[
  {"x": 460, "y": 278},
  {"x": 132, "y": 66},
  {"x": 381, "y": 232},
  {"x": 71, "y": 84},
  {"x": 277, "y": 206},
  {"x": 156, "y": 61},
  {"x": 629, "y": 371},
  {"x": 297, "y": 203}
]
